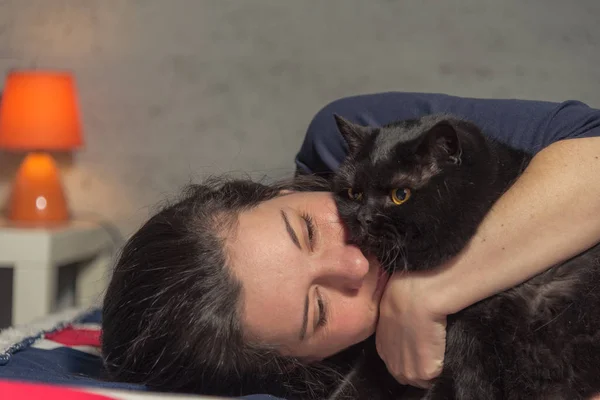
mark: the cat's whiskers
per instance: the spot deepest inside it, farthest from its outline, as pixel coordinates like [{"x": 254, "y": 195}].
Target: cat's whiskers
[{"x": 390, "y": 255}]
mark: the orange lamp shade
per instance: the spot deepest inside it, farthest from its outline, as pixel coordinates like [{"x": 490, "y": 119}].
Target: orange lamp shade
[{"x": 39, "y": 111}]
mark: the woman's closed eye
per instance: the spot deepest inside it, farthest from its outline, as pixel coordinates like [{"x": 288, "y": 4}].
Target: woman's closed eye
[
  {"x": 306, "y": 233},
  {"x": 322, "y": 311},
  {"x": 310, "y": 229}
]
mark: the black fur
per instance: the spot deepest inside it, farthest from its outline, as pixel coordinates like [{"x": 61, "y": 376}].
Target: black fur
[{"x": 540, "y": 339}]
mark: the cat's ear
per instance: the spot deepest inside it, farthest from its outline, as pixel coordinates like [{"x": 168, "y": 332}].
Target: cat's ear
[
  {"x": 353, "y": 134},
  {"x": 441, "y": 141}
]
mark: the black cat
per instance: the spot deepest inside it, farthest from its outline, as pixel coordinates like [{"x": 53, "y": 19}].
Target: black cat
[{"x": 413, "y": 193}]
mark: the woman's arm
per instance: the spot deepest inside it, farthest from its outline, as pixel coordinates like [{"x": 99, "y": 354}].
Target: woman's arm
[{"x": 550, "y": 214}]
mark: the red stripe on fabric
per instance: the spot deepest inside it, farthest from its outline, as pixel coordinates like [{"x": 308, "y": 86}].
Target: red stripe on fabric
[
  {"x": 76, "y": 337},
  {"x": 27, "y": 391}
]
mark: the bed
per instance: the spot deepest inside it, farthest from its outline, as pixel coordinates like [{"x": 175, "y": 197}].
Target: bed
[{"x": 58, "y": 357}]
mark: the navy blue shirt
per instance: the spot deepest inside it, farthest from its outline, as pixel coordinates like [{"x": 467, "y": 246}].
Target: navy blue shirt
[{"x": 524, "y": 124}]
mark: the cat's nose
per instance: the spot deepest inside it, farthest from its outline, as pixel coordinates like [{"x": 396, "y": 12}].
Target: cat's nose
[{"x": 365, "y": 218}]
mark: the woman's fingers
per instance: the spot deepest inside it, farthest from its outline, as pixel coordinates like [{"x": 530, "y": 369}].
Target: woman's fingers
[{"x": 410, "y": 339}]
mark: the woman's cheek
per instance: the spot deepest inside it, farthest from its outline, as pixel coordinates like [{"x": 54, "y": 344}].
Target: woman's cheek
[{"x": 358, "y": 323}]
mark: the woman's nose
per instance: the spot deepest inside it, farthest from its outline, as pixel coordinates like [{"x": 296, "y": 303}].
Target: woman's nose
[{"x": 345, "y": 267}]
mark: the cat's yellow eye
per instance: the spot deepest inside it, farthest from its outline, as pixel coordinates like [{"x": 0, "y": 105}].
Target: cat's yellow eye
[
  {"x": 352, "y": 195},
  {"x": 400, "y": 196}
]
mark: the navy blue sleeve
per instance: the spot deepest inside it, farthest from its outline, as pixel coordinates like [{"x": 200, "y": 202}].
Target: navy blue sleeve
[{"x": 525, "y": 124}]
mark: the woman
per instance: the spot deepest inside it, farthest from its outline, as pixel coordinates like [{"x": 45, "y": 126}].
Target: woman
[{"x": 241, "y": 287}]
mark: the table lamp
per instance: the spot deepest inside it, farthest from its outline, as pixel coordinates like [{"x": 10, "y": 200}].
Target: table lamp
[{"x": 39, "y": 113}]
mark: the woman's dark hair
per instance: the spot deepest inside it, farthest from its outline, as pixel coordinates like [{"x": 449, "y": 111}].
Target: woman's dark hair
[{"x": 171, "y": 314}]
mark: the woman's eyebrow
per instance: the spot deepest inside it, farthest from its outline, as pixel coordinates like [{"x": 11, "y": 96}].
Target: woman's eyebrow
[{"x": 290, "y": 230}]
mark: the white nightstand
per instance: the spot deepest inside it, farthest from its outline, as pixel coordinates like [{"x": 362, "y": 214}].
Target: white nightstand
[{"x": 35, "y": 255}]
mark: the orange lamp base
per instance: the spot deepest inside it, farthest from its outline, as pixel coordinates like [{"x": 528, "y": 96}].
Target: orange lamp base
[{"x": 37, "y": 195}]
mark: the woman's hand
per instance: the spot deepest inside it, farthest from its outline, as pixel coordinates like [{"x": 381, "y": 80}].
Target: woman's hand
[{"x": 411, "y": 333}]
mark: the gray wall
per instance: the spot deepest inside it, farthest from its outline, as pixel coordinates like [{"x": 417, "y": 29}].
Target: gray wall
[{"x": 172, "y": 90}]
